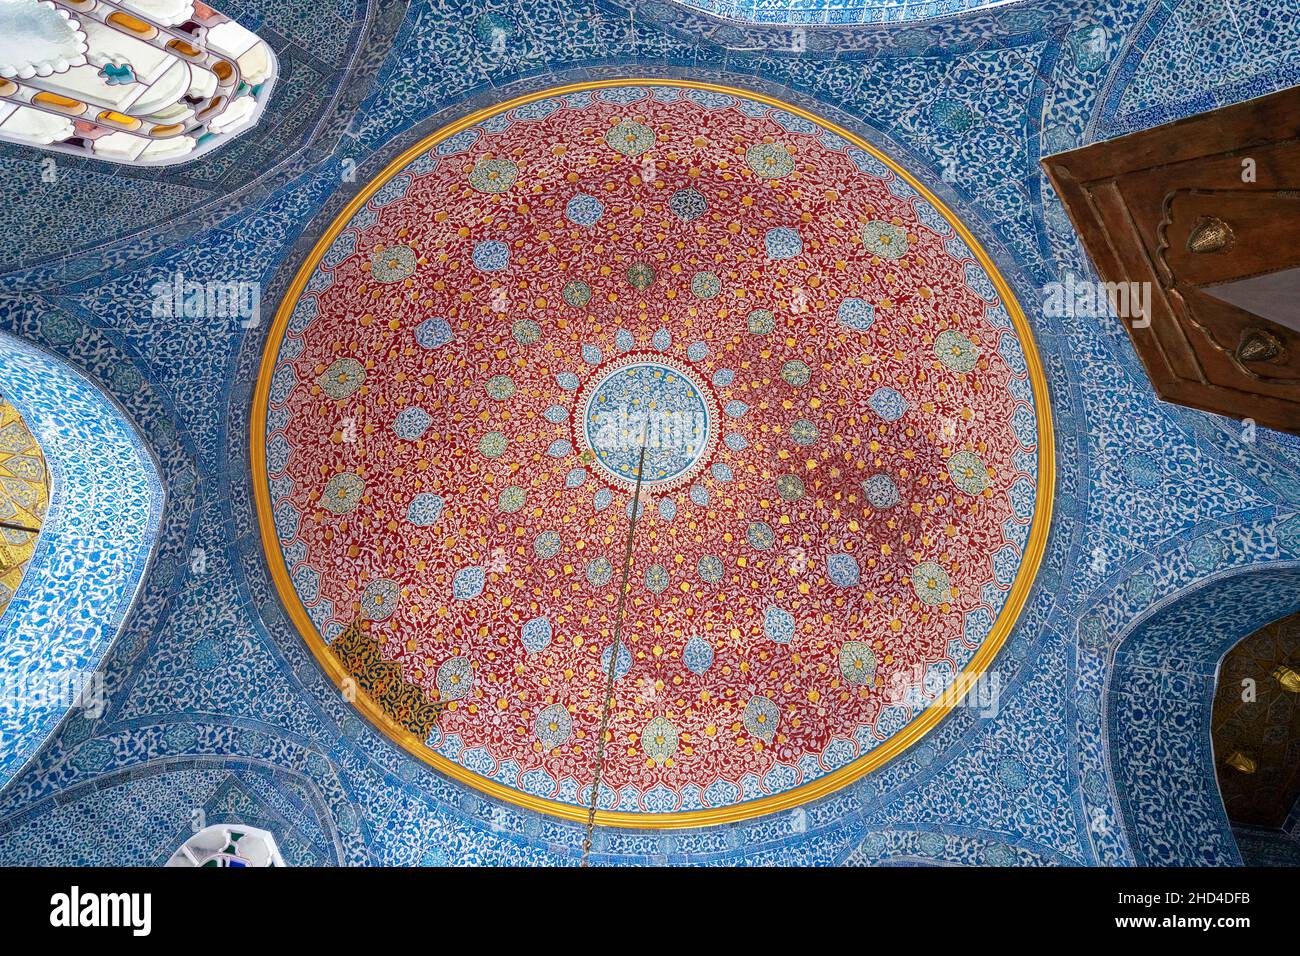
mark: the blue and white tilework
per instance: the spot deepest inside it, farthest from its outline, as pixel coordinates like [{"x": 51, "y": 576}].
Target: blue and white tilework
[
  {"x": 837, "y": 11},
  {"x": 1174, "y": 533},
  {"x": 92, "y": 553}
]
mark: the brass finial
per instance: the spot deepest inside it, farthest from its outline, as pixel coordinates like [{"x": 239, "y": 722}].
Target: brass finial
[
  {"x": 1288, "y": 678},
  {"x": 1210, "y": 234},
  {"x": 1258, "y": 345},
  {"x": 1241, "y": 761}
]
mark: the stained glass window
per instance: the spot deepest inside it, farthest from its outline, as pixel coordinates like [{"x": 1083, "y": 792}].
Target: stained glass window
[
  {"x": 148, "y": 82},
  {"x": 223, "y": 845}
]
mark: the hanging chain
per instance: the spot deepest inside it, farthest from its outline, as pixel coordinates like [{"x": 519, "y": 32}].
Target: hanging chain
[{"x": 613, "y": 654}]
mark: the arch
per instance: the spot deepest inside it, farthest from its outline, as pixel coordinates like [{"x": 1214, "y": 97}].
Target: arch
[
  {"x": 90, "y": 558},
  {"x": 1158, "y": 703},
  {"x": 41, "y": 830}
]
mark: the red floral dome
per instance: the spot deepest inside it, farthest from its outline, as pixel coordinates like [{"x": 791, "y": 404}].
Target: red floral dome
[{"x": 844, "y": 489}]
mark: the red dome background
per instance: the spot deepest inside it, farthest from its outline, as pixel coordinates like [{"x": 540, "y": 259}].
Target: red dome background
[{"x": 433, "y": 611}]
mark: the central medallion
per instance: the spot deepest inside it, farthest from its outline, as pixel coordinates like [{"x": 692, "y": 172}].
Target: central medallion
[{"x": 646, "y": 398}]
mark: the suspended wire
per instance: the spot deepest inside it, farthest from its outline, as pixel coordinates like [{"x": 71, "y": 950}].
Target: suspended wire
[{"x": 614, "y": 652}]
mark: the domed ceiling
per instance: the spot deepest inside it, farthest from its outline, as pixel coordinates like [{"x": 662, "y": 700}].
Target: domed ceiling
[{"x": 847, "y": 450}]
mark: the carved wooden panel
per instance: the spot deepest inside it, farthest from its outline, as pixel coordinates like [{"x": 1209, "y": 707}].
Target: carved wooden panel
[{"x": 1207, "y": 211}]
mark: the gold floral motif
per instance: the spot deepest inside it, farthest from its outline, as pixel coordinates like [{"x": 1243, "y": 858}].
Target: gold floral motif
[{"x": 24, "y": 498}]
